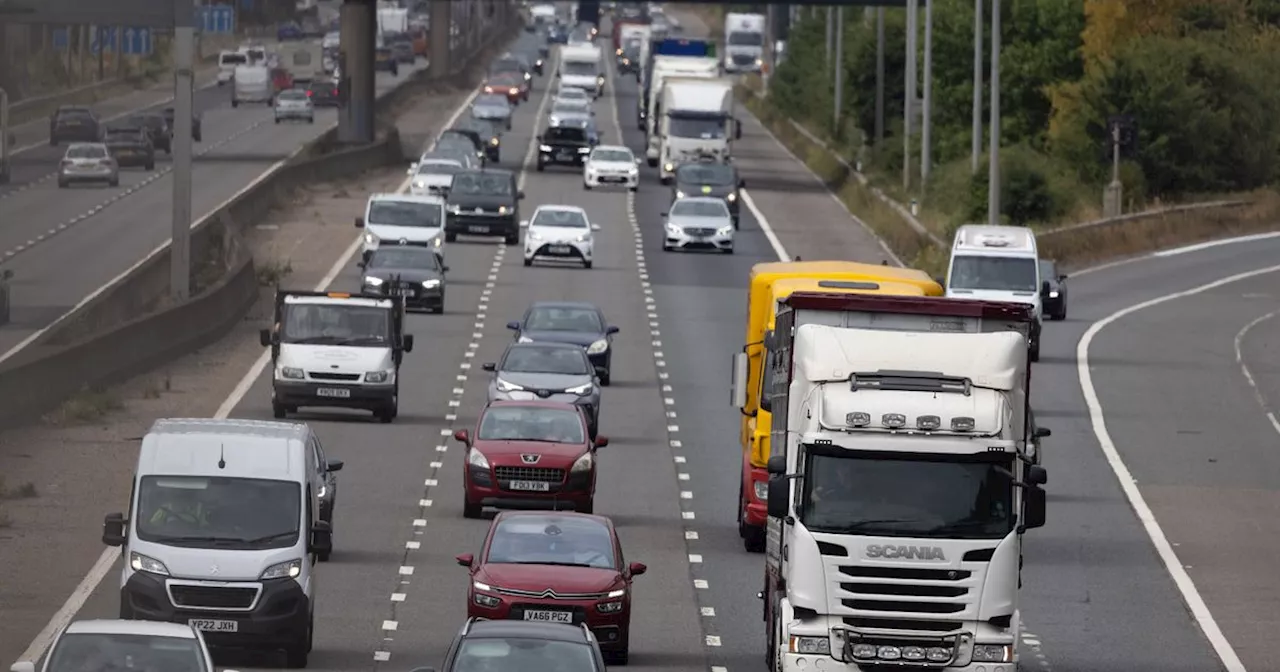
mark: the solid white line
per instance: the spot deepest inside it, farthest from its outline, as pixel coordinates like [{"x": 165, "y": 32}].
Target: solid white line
[
  {"x": 1248, "y": 376},
  {"x": 1190, "y": 594},
  {"x": 1215, "y": 243},
  {"x": 763, "y": 222}
]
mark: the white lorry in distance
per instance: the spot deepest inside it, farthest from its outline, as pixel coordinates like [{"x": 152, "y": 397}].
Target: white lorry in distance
[
  {"x": 393, "y": 20},
  {"x": 228, "y": 61},
  {"x": 697, "y": 122},
  {"x": 670, "y": 66},
  {"x": 251, "y": 83},
  {"x": 743, "y": 42},
  {"x": 305, "y": 62},
  {"x": 580, "y": 67},
  {"x": 899, "y": 483},
  {"x": 998, "y": 263}
]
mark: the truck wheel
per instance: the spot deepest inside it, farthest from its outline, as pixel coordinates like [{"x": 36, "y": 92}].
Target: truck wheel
[
  {"x": 653, "y": 163},
  {"x": 278, "y": 410},
  {"x": 753, "y": 540}
]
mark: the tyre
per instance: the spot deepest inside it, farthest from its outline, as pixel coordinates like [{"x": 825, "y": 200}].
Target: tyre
[
  {"x": 450, "y": 237},
  {"x": 151, "y": 165},
  {"x": 1034, "y": 352},
  {"x": 62, "y": 184},
  {"x": 618, "y": 657},
  {"x": 665, "y": 181},
  {"x": 512, "y": 239},
  {"x": 278, "y": 410},
  {"x": 277, "y": 120},
  {"x": 386, "y": 414},
  {"x": 541, "y": 166},
  {"x": 604, "y": 379},
  {"x": 666, "y": 247},
  {"x": 311, "y": 120},
  {"x": 586, "y": 186},
  {"x": 470, "y": 510},
  {"x": 752, "y": 538},
  {"x": 115, "y": 182},
  {"x": 295, "y": 656},
  {"x": 586, "y": 264},
  {"x": 528, "y": 261},
  {"x": 727, "y": 250},
  {"x": 235, "y": 103},
  {"x": 635, "y": 188},
  {"x": 589, "y": 507},
  {"x": 438, "y": 310},
  {"x": 653, "y": 163}
]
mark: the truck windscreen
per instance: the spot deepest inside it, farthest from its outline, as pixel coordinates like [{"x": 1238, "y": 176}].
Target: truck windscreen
[
  {"x": 336, "y": 324},
  {"x": 924, "y": 496},
  {"x": 702, "y": 127},
  {"x": 744, "y": 39}
]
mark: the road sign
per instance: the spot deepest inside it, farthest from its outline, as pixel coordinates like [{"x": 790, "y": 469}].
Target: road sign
[
  {"x": 216, "y": 19},
  {"x": 103, "y": 37},
  {"x": 61, "y": 40},
  {"x": 136, "y": 42}
]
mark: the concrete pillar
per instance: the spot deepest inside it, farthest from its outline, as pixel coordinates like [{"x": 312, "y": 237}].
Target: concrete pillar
[
  {"x": 359, "y": 26},
  {"x": 441, "y": 19}
]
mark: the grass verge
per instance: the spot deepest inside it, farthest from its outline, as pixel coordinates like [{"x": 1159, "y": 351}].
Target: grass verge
[{"x": 85, "y": 407}]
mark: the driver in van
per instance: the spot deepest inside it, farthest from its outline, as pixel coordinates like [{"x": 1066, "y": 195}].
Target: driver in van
[{"x": 181, "y": 506}]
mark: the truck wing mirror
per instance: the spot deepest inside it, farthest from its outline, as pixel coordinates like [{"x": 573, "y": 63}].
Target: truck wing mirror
[
  {"x": 265, "y": 337},
  {"x": 1036, "y": 475},
  {"x": 1044, "y": 288},
  {"x": 359, "y": 222},
  {"x": 113, "y": 529},
  {"x": 738, "y": 381},
  {"x": 1033, "y": 508},
  {"x": 1042, "y": 432},
  {"x": 779, "y": 494}
]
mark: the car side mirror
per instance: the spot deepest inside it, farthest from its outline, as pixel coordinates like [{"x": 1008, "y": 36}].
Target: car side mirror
[
  {"x": 524, "y": 223},
  {"x": 1033, "y": 509},
  {"x": 266, "y": 337},
  {"x": 465, "y": 560},
  {"x": 462, "y": 436},
  {"x": 1062, "y": 278},
  {"x": 742, "y": 184},
  {"x": 1042, "y": 432},
  {"x": 638, "y": 162},
  {"x": 6, "y": 274},
  {"x": 779, "y": 494},
  {"x": 321, "y": 538},
  {"x": 113, "y": 529},
  {"x": 514, "y": 326},
  {"x": 520, "y": 195},
  {"x": 23, "y": 666},
  {"x": 595, "y": 227},
  {"x": 334, "y": 465},
  {"x": 611, "y": 330},
  {"x": 1036, "y": 475},
  {"x": 601, "y": 441},
  {"x": 637, "y": 568},
  {"x": 359, "y": 222},
  {"x": 538, "y": 137},
  {"x": 664, "y": 213},
  {"x": 489, "y": 366},
  {"x": 406, "y": 342}
]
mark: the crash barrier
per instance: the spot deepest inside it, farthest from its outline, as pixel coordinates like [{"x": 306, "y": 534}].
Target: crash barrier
[{"x": 130, "y": 326}]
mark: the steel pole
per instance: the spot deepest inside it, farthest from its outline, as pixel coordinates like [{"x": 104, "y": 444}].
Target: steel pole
[
  {"x": 184, "y": 40},
  {"x": 839, "y": 72},
  {"x": 993, "y": 160},
  {"x": 908, "y": 114},
  {"x": 831, "y": 34},
  {"x": 926, "y": 122},
  {"x": 879, "y": 76},
  {"x": 976, "y": 146}
]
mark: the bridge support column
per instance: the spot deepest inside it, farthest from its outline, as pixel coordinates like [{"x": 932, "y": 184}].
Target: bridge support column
[
  {"x": 359, "y": 29},
  {"x": 440, "y": 39}
]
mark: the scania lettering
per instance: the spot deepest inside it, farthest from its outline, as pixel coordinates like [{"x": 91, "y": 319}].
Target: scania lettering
[
  {"x": 899, "y": 482},
  {"x": 697, "y": 122}
]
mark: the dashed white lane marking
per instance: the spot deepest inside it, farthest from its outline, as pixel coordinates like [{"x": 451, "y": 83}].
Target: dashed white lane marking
[
  {"x": 1248, "y": 376},
  {"x": 114, "y": 198}
]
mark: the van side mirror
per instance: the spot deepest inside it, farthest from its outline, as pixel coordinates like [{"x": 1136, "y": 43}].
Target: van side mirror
[
  {"x": 321, "y": 538},
  {"x": 465, "y": 560},
  {"x": 637, "y": 568},
  {"x": 595, "y": 227},
  {"x": 514, "y": 326},
  {"x": 406, "y": 342},
  {"x": 520, "y": 195},
  {"x": 462, "y": 436},
  {"x": 1036, "y": 475},
  {"x": 779, "y": 493},
  {"x": 1042, "y": 432},
  {"x": 489, "y": 366},
  {"x": 611, "y": 330},
  {"x": 1062, "y": 278},
  {"x": 113, "y": 529},
  {"x": 742, "y": 184},
  {"x": 539, "y": 137},
  {"x": 737, "y": 129},
  {"x": 1033, "y": 508},
  {"x": 524, "y": 223},
  {"x": 266, "y": 338},
  {"x": 334, "y": 465},
  {"x": 359, "y": 222},
  {"x": 601, "y": 441},
  {"x": 738, "y": 381}
]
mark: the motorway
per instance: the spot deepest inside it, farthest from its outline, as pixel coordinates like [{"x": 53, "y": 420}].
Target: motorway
[{"x": 64, "y": 244}]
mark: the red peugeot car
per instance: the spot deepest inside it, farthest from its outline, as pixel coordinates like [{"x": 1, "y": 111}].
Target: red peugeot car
[
  {"x": 505, "y": 84},
  {"x": 529, "y": 454},
  {"x": 555, "y": 568}
]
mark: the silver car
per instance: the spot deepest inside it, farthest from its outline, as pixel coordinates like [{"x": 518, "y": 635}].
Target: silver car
[
  {"x": 492, "y": 107},
  {"x": 88, "y": 162},
  {"x": 699, "y": 223},
  {"x": 547, "y": 372},
  {"x": 295, "y": 105}
]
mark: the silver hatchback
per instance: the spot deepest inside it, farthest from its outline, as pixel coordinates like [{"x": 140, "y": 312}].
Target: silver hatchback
[
  {"x": 295, "y": 105},
  {"x": 88, "y": 162},
  {"x": 547, "y": 372}
]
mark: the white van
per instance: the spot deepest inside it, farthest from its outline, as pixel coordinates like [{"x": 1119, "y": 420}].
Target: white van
[
  {"x": 225, "y": 523},
  {"x": 403, "y": 219},
  {"x": 228, "y": 61},
  {"x": 251, "y": 84},
  {"x": 998, "y": 263}
]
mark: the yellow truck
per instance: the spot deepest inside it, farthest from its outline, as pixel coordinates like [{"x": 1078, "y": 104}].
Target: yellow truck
[{"x": 770, "y": 283}]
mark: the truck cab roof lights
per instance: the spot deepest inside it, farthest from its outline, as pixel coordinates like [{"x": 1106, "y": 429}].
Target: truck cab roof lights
[
  {"x": 962, "y": 424},
  {"x": 928, "y": 422},
  {"x": 893, "y": 420}
]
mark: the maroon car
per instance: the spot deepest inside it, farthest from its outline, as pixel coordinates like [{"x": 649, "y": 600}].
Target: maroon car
[
  {"x": 529, "y": 454},
  {"x": 510, "y": 85},
  {"x": 555, "y": 568}
]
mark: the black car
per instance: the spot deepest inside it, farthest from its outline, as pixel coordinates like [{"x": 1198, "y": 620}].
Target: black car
[
  {"x": 325, "y": 93},
  {"x": 563, "y": 145},
  {"x": 157, "y": 129},
  {"x": 510, "y": 644},
  {"x": 558, "y": 34},
  {"x": 1053, "y": 290},
  {"x": 483, "y": 202},
  {"x": 570, "y": 322},
  {"x": 490, "y": 132},
  {"x": 709, "y": 178},
  {"x": 412, "y": 272},
  {"x": 130, "y": 147},
  {"x": 629, "y": 60},
  {"x": 472, "y": 136},
  {"x": 74, "y": 124},
  {"x": 195, "y": 123}
]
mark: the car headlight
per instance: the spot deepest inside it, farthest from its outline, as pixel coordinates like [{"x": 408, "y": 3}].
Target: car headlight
[
  {"x": 609, "y": 607},
  {"x": 437, "y": 241},
  {"x": 668, "y": 167},
  {"x": 524, "y": 339},
  {"x": 372, "y": 281},
  {"x": 811, "y": 645},
  {"x": 431, "y": 284},
  {"x": 731, "y": 197},
  {"x": 494, "y": 141},
  {"x": 370, "y": 239},
  {"x": 502, "y": 210},
  {"x": 992, "y": 653},
  {"x": 504, "y": 386},
  {"x": 584, "y": 150},
  {"x": 581, "y": 390},
  {"x": 583, "y": 463},
  {"x": 617, "y": 52},
  {"x": 725, "y": 230},
  {"x": 544, "y": 148},
  {"x": 598, "y": 347},
  {"x": 584, "y": 238},
  {"x": 527, "y": 76},
  {"x": 534, "y": 235},
  {"x": 483, "y": 600},
  {"x": 514, "y": 91},
  {"x": 680, "y": 194},
  {"x": 148, "y": 564},
  {"x": 283, "y": 570},
  {"x": 673, "y": 229},
  {"x": 633, "y": 170},
  {"x": 291, "y": 372},
  {"x": 477, "y": 459},
  {"x": 418, "y": 184},
  {"x": 488, "y": 89},
  {"x": 539, "y": 62},
  {"x": 1053, "y": 295},
  {"x": 377, "y": 376}
]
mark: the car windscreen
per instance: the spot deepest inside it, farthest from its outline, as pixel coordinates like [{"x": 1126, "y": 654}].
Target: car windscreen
[
  {"x": 92, "y": 652},
  {"x": 336, "y": 323},
  {"x": 572, "y": 93},
  {"x": 406, "y": 257},
  {"x": 565, "y": 134},
  {"x": 563, "y": 319},
  {"x": 531, "y": 423},
  {"x": 709, "y": 174},
  {"x": 569, "y": 360},
  {"x": 218, "y": 512},
  {"x": 526, "y": 655},
  {"x": 565, "y": 107},
  {"x": 699, "y": 208},
  {"x": 504, "y": 65},
  {"x": 569, "y": 219},
  {"x": 405, "y": 213},
  {"x": 86, "y": 152},
  {"x": 477, "y": 184},
  {"x": 552, "y": 540},
  {"x": 438, "y": 168},
  {"x": 612, "y": 156}
]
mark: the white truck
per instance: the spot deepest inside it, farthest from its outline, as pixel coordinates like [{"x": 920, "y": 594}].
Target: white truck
[
  {"x": 900, "y": 484},
  {"x": 664, "y": 67},
  {"x": 393, "y": 20},
  {"x": 743, "y": 42},
  {"x": 580, "y": 67},
  {"x": 697, "y": 121},
  {"x": 304, "y": 61}
]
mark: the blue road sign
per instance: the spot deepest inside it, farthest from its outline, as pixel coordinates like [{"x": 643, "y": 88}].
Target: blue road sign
[
  {"x": 216, "y": 19},
  {"x": 136, "y": 42},
  {"x": 103, "y": 37},
  {"x": 60, "y": 39}
]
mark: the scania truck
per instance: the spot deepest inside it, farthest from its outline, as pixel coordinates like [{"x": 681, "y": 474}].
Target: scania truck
[
  {"x": 769, "y": 284},
  {"x": 697, "y": 122},
  {"x": 899, "y": 483},
  {"x": 665, "y": 67}
]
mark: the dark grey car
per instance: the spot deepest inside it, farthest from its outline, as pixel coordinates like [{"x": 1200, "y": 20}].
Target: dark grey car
[
  {"x": 707, "y": 178},
  {"x": 413, "y": 272},
  {"x": 547, "y": 372},
  {"x": 1053, "y": 290},
  {"x": 492, "y": 107}
]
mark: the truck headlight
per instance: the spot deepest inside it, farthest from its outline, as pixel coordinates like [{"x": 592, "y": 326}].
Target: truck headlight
[
  {"x": 504, "y": 386},
  {"x": 372, "y": 281},
  {"x": 477, "y": 459},
  {"x": 583, "y": 463},
  {"x": 762, "y": 490},
  {"x": 431, "y": 284},
  {"x": 148, "y": 564},
  {"x": 1053, "y": 295},
  {"x": 291, "y": 372},
  {"x": 370, "y": 239},
  {"x": 992, "y": 653},
  {"x": 283, "y": 570},
  {"x": 598, "y": 347},
  {"x": 731, "y": 197},
  {"x": 811, "y": 645},
  {"x": 377, "y": 376},
  {"x": 502, "y": 210}
]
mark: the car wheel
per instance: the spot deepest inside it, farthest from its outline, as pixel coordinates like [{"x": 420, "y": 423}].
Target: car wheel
[
  {"x": 115, "y": 182},
  {"x": 528, "y": 261},
  {"x": 586, "y": 186},
  {"x": 541, "y": 167},
  {"x": 62, "y": 184},
  {"x": 385, "y": 414},
  {"x": 666, "y": 247},
  {"x": 277, "y": 120},
  {"x": 727, "y": 250},
  {"x": 513, "y": 239},
  {"x": 450, "y": 237},
  {"x": 635, "y": 188},
  {"x": 470, "y": 510},
  {"x": 586, "y": 264},
  {"x": 278, "y": 410},
  {"x": 589, "y": 507},
  {"x": 618, "y": 657},
  {"x": 752, "y": 538},
  {"x": 151, "y": 165},
  {"x": 604, "y": 379},
  {"x": 235, "y": 103}
]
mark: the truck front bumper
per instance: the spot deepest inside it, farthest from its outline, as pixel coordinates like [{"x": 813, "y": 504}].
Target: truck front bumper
[
  {"x": 332, "y": 395},
  {"x": 803, "y": 662}
]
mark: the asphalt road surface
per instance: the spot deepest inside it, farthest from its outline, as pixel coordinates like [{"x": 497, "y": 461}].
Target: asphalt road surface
[{"x": 64, "y": 244}]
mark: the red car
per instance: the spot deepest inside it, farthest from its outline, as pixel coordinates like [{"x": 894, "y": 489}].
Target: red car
[
  {"x": 530, "y": 454},
  {"x": 555, "y": 568},
  {"x": 510, "y": 85}
]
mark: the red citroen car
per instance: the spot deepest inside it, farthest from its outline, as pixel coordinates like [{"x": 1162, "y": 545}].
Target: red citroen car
[
  {"x": 529, "y": 454},
  {"x": 555, "y": 568}
]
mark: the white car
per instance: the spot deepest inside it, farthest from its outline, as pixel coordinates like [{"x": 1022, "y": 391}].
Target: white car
[
  {"x": 128, "y": 645},
  {"x": 560, "y": 232},
  {"x": 432, "y": 176},
  {"x": 698, "y": 223},
  {"x": 573, "y": 93},
  {"x": 295, "y": 104},
  {"x": 611, "y": 164},
  {"x": 402, "y": 219}
]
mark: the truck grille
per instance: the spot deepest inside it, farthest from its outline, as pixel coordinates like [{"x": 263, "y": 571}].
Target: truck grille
[
  {"x": 324, "y": 375},
  {"x": 906, "y": 598},
  {"x": 212, "y": 597},
  {"x": 529, "y": 474}
]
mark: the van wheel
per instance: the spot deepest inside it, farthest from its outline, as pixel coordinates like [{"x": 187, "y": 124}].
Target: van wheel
[
  {"x": 295, "y": 657},
  {"x": 513, "y": 239},
  {"x": 618, "y": 657},
  {"x": 278, "y": 411},
  {"x": 385, "y": 414},
  {"x": 470, "y": 510}
]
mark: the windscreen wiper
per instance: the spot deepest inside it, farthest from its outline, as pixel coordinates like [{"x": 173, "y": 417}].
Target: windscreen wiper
[
  {"x": 865, "y": 525},
  {"x": 269, "y": 538}
]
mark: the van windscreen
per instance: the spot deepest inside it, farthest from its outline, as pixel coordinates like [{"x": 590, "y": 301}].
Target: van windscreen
[{"x": 218, "y": 512}]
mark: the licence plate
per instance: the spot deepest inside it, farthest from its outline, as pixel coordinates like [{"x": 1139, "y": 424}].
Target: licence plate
[
  {"x": 564, "y": 156},
  {"x": 547, "y": 616},
  {"x": 534, "y": 486},
  {"x": 338, "y": 392},
  {"x": 478, "y": 229},
  {"x": 214, "y": 625},
  {"x": 558, "y": 249},
  {"x": 400, "y": 291}
]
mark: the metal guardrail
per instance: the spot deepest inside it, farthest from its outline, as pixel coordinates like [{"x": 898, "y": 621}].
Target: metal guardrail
[{"x": 1140, "y": 216}]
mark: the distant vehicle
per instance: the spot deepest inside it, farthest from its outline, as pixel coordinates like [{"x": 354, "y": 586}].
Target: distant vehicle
[
  {"x": 562, "y": 145},
  {"x": 411, "y": 272},
  {"x": 1053, "y": 290},
  {"x": 558, "y": 35},
  {"x": 88, "y": 162},
  {"x": 71, "y": 123},
  {"x": 547, "y": 371},
  {"x": 252, "y": 84},
  {"x": 289, "y": 31},
  {"x": 522, "y": 645},
  {"x": 586, "y": 123},
  {"x": 581, "y": 324},
  {"x": 130, "y": 146},
  {"x": 561, "y": 107},
  {"x": 325, "y": 93},
  {"x": 157, "y": 128},
  {"x": 402, "y": 219},
  {"x": 454, "y": 152},
  {"x": 404, "y": 53},
  {"x": 710, "y": 178},
  {"x": 489, "y": 133},
  {"x": 432, "y": 176},
  {"x": 698, "y": 223},
  {"x": 227, "y": 63},
  {"x": 295, "y": 105},
  {"x": 196, "y": 132},
  {"x": 478, "y": 142},
  {"x": 611, "y": 164},
  {"x": 561, "y": 233},
  {"x": 506, "y": 84},
  {"x": 493, "y": 107},
  {"x": 385, "y": 61},
  {"x": 149, "y": 644}
]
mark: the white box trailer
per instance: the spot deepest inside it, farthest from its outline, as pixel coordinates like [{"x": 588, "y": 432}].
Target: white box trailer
[
  {"x": 671, "y": 66},
  {"x": 697, "y": 121}
]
